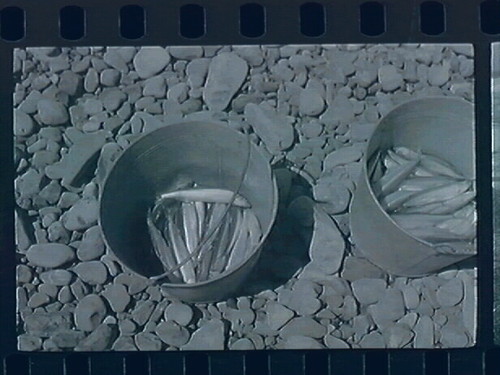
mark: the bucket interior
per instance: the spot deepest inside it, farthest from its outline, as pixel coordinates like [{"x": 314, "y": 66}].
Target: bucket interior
[{"x": 209, "y": 154}]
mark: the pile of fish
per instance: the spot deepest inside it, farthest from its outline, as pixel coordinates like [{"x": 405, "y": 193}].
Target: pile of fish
[
  {"x": 200, "y": 233},
  {"x": 424, "y": 195}
]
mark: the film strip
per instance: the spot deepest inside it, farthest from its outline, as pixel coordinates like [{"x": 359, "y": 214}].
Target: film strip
[{"x": 178, "y": 23}]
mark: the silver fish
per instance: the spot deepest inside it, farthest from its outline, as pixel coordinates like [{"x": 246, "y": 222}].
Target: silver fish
[
  {"x": 406, "y": 153},
  {"x": 393, "y": 178},
  {"x": 181, "y": 253},
  {"x": 412, "y": 221},
  {"x": 207, "y": 195},
  {"x": 424, "y": 183},
  {"x": 395, "y": 200},
  {"x": 435, "y": 235},
  {"x": 239, "y": 250},
  {"x": 221, "y": 247},
  {"x": 438, "y": 194},
  {"x": 201, "y": 215},
  {"x": 460, "y": 227},
  {"x": 438, "y": 166},
  {"x": 190, "y": 226}
]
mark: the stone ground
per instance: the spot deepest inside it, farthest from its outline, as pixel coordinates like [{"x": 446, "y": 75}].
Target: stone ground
[{"x": 311, "y": 109}]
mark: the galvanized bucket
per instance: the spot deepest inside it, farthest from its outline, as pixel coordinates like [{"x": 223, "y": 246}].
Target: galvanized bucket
[
  {"x": 212, "y": 154},
  {"x": 440, "y": 126}
]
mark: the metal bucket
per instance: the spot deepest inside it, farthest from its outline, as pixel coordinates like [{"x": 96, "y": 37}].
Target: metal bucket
[
  {"x": 440, "y": 126},
  {"x": 211, "y": 154}
]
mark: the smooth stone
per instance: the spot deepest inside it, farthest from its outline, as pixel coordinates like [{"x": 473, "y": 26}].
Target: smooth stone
[
  {"x": 469, "y": 303},
  {"x": 333, "y": 342},
  {"x": 89, "y": 312},
  {"x": 398, "y": 335},
  {"x": 38, "y": 299},
  {"x": 311, "y": 102},
  {"x": 112, "y": 99},
  {"x": 117, "y": 296},
  {"x": 52, "y": 112},
  {"x": 148, "y": 341},
  {"x": 43, "y": 324},
  {"x": 28, "y": 343},
  {"x": 359, "y": 268},
  {"x": 180, "y": 313},
  {"x": 451, "y": 293},
  {"x": 82, "y": 215},
  {"x": 69, "y": 82},
  {"x": 92, "y": 272},
  {"x": 226, "y": 74},
  {"x": 453, "y": 336},
  {"x": 23, "y": 274},
  {"x": 327, "y": 244},
  {"x": 91, "y": 245},
  {"x": 342, "y": 156},
  {"x": 186, "y": 52},
  {"x": 242, "y": 344},
  {"x": 372, "y": 340},
  {"x": 196, "y": 71},
  {"x": 303, "y": 326},
  {"x": 336, "y": 195},
  {"x": 72, "y": 164},
  {"x": 438, "y": 75},
  {"x": 67, "y": 339},
  {"x": 23, "y": 124},
  {"x": 99, "y": 340},
  {"x": 253, "y": 54},
  {"x": 301, "y": 342},
  {"x": 65, "y": 295},
  {"x": 389, "y": 77},
  {"x": 272, "y": 127},
  {"x": 142, "y": 311},
  {"x": 411, "y": 297},
  {"x": 135, "y": 283},
  {"x": 424, "y": 333},
  {"x": 124, "y": 343},
  {"x": 49, "y": 255},
  {"x": 210, "y": 336},
  {"x": 150, "y": 61},
  {"x": 28, "y": 184},
  {"x": 115, "y": 60},
  {"x": 173, "y": 334},
  {"x": 277, "y": 315},
  {"x": 368, "y": 291},
  {"x": 57, "y": 277},
  {"x": 154, "y": 86},
  {"x": 127, "y": 327},
  {"x": 388, "y": 309}
]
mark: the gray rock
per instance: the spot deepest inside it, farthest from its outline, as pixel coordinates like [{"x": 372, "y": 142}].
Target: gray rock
[
  {"x": 226, "y": 74},
  {"x": 52, "y": 112},
  {"x": 28, "y": 184},
  {"x": 333, "y": 342},
  {"x": 89, "y": 312},
  {"x": 273, "y": 128},
  {"x": 117, "y": 296},
  {"x": 301, "y": 342},
  {"x": 134, "y": 282},
  {"x": 51, "y": 192},
  {"x": 82, "y": 215},
  {"x": 359, "y": 268},
  {"x": 38, "y": 299},
  {"x": 43, "y": 324},
  {"x": 92, "y": 244},
  {"x": 127, "y": 327},
  {"x": 242, "y": 344},
  {"x": 173, "y": 334},
  {"x": 155, "y": 86},
  {"x": 251, "y": 53},
  {"x": 49, "y": 255},
  {"x": 67, "y": 339},
  {"x": 303, "y": 326},
  {"x": 389, "y": 77},
  {"x": 23, "y": 124},
  {"x": 424, "y": 333},
  {"x": 180, "y": 313},
  {"x": 69, "y": 82},
  {"x": 411, "y": 297},
  {"x": 372, "y": 340},
  {"x": 196, "y": 72},
  {"x": 92, "y": 272},
  {"x": 57, "y": 277},
  {"x": 388, "y": 309},
  {"x": 150, "y": 61},
  {"x": 143, "y": 311},
  {"x": 65, "y": 295},
  {"x": 451, "y": 293},
  {"x": 368, "y": 291},
  {"x": 28, "y": 343},
  {"x": 23, "y": 274},
  {"x": 453, "y": 336},
  {"x": 342, "y": 156},
  {"x": 148, "y": 341},
  {"x": 210, "y": 336},
  {"x": 336, "y": 195},
  {"x": 186, "y": 52},
  {"x": 438, "y": 75},
  {"x": 99, "y": 340},
  {"x": 22, "y": 233},
  {"x": 277, "y": 315},
  {"x": 311, "y": 102},
  {"x": 114, "y": 59},
  {"x": 109, "y": 153},
  {"x": 124, "y": 343},
  {"x": 112, "y": 99},
  {"x": 398, "y": 335}
]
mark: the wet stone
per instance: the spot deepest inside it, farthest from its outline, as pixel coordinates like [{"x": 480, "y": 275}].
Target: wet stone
[
  {"x": 67, "y": 339},
  {"x": 424, "y": 333},
  {"x": 180, "y": 313},
  {"x": 451, "y": 293},
  {"x": 82, "y": 215},
  {"x": 52, "y": 112},
  {"x": 92, "y": 245},
  {"x": 143, "y": 311},
  {"x": 117, "y": 296},
  {"x": 368, "y": 291},
  {"x": 301, "y": 342},
  {"x": 150, "y": 61},
  {"x": 57, "y": 277},
  {"x": 92, "y": 272},
  {"x": 49, "y": 255},
  {"x": 148, "y": 341},
  {"x": 210, "y": 336},
  {"x": 89, "y": 312},
  {"x": 173, "y": 334},
  {"x": 38, "y": 299},
  {"x": 23, "y": 274},
  {"x": 277, "y": 315},
  {"x": 333, "y": 342},
  {"x": 98, "y": 340},
  {"x": 303, "y": 326},
  {"x": 23, "y": 124},
  {"x": 28, "y": 343}
]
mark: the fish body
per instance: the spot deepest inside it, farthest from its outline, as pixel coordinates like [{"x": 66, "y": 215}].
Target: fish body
[
  {"x": 181, "y": 253},
  {"x": 393, "y": 178},
  {"x": 208, "y": 196},
  {"x": 438, "y": 166},
  {"x": 424, "y": 183},
  {"x": 438, "y": 194},
  {"x": 190, "y": 226},
  {"x": 395, "y": 200}
]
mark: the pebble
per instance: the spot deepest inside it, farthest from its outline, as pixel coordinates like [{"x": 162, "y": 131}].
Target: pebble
[
  {"x": 67, "y": 339},
  {"x": 277, "y": 315},
  {"x": 154, "y": 86},
  {"x": 388, "y": 309},
  {"x": 174, "y": 335},
  {"x": 372, "y": 340},
  {"x": 148, "y": 341},
  {"x": 327, "y": 245},
  {"x": 273, "y": 128},
  {"x": 52, "y": 112},
  {"x": 389, "y": 77},
  {"x": 242, "y": 344},
  {"x": 342, "y": 156},
  {"x": 186, "y": 52},
  {"x": 453, "y": 336},
  {"x": 98, "y": 340},
  {"x": 356, "y": 268},
  {"x": 333, "y": 342},
  {"x": 89, "y": 312},
  {"x": 150, "y": 61},
  {"x": 438, "y": 75},
  {"x": 49, "y": 255},
  {"x": 180, "y": 313},
  {"x": 411, "y": 297},
  {"x": 82, "y": 215},
  {"x": 92, "y": 244},
  {"x": 23, "y": 124},
  {"x": 23, "y": 274},
  {"x": 368, "y": 291},
  {"x": 142, "y": 311},
  {"x": 398, "y": 335},
  {"x": 303, "y": 326},
  {"x": 117, "y": 296},
  {"x": 65, "y": 295},
  {"x": 210, "y": 336},
  {"x": 135, "y": 283},
  {"x": 226, "y": 74},
  {"x": 124, "y": 343},
  {"x": 451, "y": 293},
  {"x": 311, "y": 102},
  {"x": 92, "y": 272},
  {"x": 424, "y": 333},
  {"x": 114, "y": 59},
  {"x": 38, "y": 299},
  {"x": 127, "y": 327},
  {"x": 57, "y": 277},
  {"x": 28, "y": 184},
  {"x": 301, "y": 342},
  {"x": 28, "y": 343}
]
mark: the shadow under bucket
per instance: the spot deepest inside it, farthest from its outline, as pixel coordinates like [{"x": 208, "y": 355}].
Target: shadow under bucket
[
  {"x": 439, "y": 126},
  {"x": 210, "y": 154}
]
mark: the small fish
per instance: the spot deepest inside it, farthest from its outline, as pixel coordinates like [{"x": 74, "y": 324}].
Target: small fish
[
  {"x": 461, "y": 227},
  {"x": 438, "y": 166},
  {"x": 424, "y": 183},
  {"x": 436, "y": 235},
  {"x": 201, "y": 215},
  {"x": 190, "y": 226},
  {"x": 438, "y": 194},
  {"x": 406, "y": 153},
  {"x": 397, "y": 158},
  {"x": 239, "y": 250},
  {"x": 423, "y": 172},
  {"x": 468, "y": 210},
  {"x": 393, "y": 178},
  {"x": 389, "y": 162},
  {"x": 455, "y": 204},
  {"x": 221, "y": 245},
  {"x": 412, "y": 221},
  {"x": 181, "y": 253},
  {"x": 207, "y": 195},
  {"x": 395, "y": 200}
]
